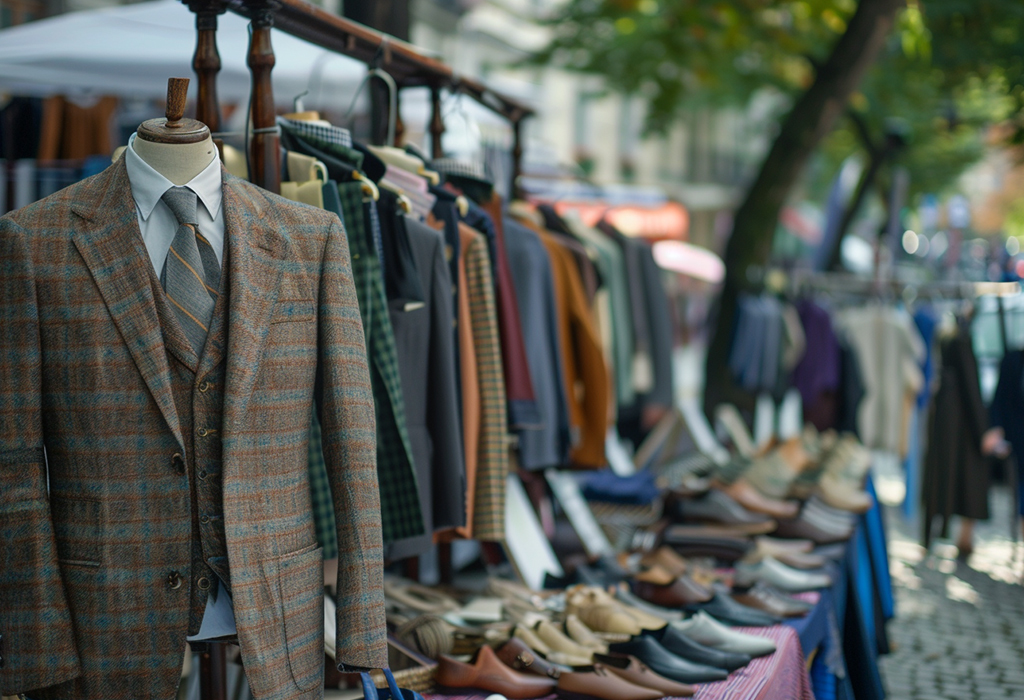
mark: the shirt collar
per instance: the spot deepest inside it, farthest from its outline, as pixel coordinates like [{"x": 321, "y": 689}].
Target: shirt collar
[{"x": 148, "y": 185}]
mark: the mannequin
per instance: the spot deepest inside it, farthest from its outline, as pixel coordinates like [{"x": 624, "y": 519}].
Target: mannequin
[
  {"x": 178, "y": 162},
  {"x": 177, "y": 148}
]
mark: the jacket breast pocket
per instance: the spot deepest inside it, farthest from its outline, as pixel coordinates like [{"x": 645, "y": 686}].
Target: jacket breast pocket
[
  {"x": 293, "y": 311},
  {"x": 76, "y": 524},
  {"x": 300, "y": 579}
]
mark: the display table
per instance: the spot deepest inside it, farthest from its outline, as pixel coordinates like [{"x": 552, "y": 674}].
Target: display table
[{"x": 779, "y": 675}]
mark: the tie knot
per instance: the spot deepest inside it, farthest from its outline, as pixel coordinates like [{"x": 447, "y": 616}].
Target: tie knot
[{"x": 182, "y": 203}]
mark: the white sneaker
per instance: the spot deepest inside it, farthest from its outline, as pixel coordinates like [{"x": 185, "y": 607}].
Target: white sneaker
[
  {"x": 774, "y": 572},
  {"x": 706, "y": 630}
]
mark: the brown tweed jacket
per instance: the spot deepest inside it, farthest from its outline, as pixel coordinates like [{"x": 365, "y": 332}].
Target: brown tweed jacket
[{"x": 92, "y": 529}]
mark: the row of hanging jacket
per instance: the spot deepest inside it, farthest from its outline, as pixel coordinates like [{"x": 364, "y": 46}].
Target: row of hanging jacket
[{"x": 487, "y": 326}]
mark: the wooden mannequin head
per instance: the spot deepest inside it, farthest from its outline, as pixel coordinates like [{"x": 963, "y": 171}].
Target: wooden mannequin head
[{"x": 177, "y": 148}]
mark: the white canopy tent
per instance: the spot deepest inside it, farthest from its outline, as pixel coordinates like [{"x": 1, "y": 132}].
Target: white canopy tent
[{"x": 131, "y": 50}]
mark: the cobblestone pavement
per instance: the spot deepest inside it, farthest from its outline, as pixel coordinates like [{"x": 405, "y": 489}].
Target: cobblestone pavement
[{"x": 959, "y": 627}]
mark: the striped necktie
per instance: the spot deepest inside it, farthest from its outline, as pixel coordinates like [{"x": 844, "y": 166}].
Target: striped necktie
[{"x": 191, "y": 274}]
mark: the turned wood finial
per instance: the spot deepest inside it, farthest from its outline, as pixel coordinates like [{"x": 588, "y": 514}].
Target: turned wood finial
[{"x": 174, "y": 127}]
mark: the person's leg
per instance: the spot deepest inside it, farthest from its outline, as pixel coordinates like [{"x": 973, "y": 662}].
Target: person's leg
[{"x": 965, "y": 542}]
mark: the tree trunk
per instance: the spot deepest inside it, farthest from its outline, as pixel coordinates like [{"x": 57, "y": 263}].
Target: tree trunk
[{"x": 811, "y": 118}]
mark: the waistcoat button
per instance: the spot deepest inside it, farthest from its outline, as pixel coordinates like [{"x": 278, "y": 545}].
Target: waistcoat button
[
  {"x": 179, "y": 462},
  {"x": 204, "y": 387},
  {"x": 205, "y": 519},
  {"x": 203, "y": 583},
  {"x": 174, "y": 580},
  {"x": 202, "y": 475},
  {"x": 203, "y": 432}
]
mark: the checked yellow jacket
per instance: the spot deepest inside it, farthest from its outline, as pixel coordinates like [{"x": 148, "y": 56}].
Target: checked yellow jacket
[{"x": 85, "y": 606}]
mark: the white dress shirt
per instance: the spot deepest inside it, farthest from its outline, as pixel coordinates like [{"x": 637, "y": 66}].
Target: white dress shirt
[
  {"x": 157, "y": 223},
  {"x": 158, "y": 226}
]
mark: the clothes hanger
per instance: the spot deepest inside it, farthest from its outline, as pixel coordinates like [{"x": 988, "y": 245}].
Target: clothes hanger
[{"x": 392, "y": 99}]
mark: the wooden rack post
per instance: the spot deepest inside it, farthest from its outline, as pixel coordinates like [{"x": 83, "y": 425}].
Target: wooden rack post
[
  {"x": 265, "y": 159},
  {"x": 206, "y": 60},
  {"x": 517, "y": 157},
  {"x": 436, "y": 122}
]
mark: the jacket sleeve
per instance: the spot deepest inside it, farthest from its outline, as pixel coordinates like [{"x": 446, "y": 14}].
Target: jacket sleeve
[
  {"x": 37, "y": 647},
  {"x": 444, "y": 422},
  {"x": 348, "y": 434}
]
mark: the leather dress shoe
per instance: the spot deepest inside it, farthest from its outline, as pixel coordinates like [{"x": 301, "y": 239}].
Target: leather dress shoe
[
  {"x": 488, "y": 673},
  {"x": 724, "y": 609},
  {"x": 660, "y": 588},
  {"x": 772, "y": 602},
  {"x": 699, "y": 541},
  {"x": 558, "y": 641},
  {"x": 802, "y": 528},
  {"x": 627, "y": 597},
  {"x": 750, "y": 498},
  {"x": 603, "y": 684},
  {"x": 779, "y": 575},
  {"x": 684, "y": 647},
  {"x": 705, "y": 629},
  {"x": 583, "y": 635},
  {"x": 644, "y": 618},
  {"x": 789, "y": 557},
  {"x": 515, "y": 654},
  {"x": 717, "y": 508},
  {"x": 772, "y": 544},
  {"x": 667, "y": 664},
  {"x": 637, "y": 672}
]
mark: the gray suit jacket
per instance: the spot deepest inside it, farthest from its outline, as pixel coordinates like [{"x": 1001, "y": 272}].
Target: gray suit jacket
[
  {"x": 535, "y": 292},
  {"x": 426, "y": 364}
]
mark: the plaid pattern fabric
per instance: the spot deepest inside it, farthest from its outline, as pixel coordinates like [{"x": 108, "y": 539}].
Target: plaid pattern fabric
[
  {"x": 320, "y": 492},
  {"x": 401, "y": 513},
  {"x": 492, "y": 465},
  {"x": 459, "y": 168},
  {"x": 325, "y": 134},
  {"x": 91, "y": 538}
]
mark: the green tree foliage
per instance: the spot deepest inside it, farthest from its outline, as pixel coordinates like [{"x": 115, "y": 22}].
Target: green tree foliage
[{"x": 686, "y": 52}]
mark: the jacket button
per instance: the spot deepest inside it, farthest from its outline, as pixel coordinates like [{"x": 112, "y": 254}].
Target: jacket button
[
  {"x": 179, "y": 462},
  {"x": 174, "y": 580},
  {"x": 203, "y": 583},
  {"x": 204, "y": 387}
]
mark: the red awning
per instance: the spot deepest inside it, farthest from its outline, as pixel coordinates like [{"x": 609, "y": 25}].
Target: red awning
[{"x": 668, "y": 221}]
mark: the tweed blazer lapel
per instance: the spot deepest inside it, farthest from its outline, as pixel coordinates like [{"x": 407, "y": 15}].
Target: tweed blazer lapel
[
  {"x": 257, "y": 254},
  {"x": 110, "y": 242}
]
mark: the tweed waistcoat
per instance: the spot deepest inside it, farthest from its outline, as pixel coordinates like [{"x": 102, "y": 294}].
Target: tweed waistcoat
[{"x": 198, "y": 391}]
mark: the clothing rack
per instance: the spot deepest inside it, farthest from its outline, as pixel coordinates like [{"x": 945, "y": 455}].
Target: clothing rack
[
  {"x": 407, "y": 65},
  {"x": 402, "y": 61},
  {"x": 798, "y": 282}
]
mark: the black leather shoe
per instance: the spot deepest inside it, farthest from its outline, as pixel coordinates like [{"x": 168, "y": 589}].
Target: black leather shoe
[
  {"x": 667, "y": 664},
  {"x": 725, "y": 609},
  {"x": 584, "y": 574},
  {"x": 684, "y": 647}
]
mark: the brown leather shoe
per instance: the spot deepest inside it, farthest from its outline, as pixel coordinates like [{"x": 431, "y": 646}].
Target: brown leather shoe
[
  {"x": 636, "y": 672},
  {"x": 602, "y": 683},
  {"x": 750, "y": 498},
  {"x": 660, "y": 588},
  {"x": 515, "y": 654},
  {"x": 488, "y": 673},
  {"x": 763, "y": 598}
]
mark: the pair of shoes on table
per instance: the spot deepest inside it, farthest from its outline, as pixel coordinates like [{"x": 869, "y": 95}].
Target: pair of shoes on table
[
  {"x": 601, "y": 612},
  {"x": 771, "y": 571},
  {"x": 496, "y": 673},
  {"x": 770, "y": 600},
  {"x": 704, "y": 629}
]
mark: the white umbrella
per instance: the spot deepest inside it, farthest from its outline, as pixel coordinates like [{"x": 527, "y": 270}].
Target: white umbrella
[{"x": 130, "y": 51}]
